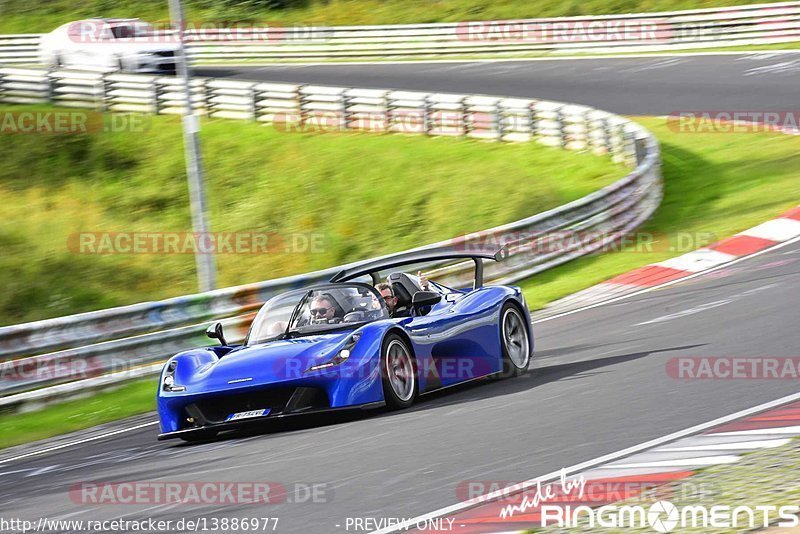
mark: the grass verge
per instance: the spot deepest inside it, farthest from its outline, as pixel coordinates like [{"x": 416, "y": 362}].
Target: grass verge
[
  {"x": 314, "y": 201},
  {"x": 28, "y": 16},
  {"x": 132, "y": 398}
]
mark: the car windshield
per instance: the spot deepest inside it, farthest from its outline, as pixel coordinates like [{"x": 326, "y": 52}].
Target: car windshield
[
  {"x": 129, "y": 31},
  {"x": 316, "y": 310}
]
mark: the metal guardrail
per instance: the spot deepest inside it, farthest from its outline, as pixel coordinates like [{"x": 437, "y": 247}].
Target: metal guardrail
[
  {"x": 132, "y": 338},
  {"x": 700, "y": 28}
]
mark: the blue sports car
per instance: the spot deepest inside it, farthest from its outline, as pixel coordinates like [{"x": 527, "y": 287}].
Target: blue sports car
[{"x": 338, "y": 346}]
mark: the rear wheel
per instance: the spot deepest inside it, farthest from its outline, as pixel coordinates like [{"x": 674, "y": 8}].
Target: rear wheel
[
  {"x": 515, "y": 339},
  {"x": 398, "y": 373}
]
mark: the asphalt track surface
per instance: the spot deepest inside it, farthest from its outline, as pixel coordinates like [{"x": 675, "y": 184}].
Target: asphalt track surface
[
  {"x": 630, "y": 86},
  {"x": 600, "y": 385}
]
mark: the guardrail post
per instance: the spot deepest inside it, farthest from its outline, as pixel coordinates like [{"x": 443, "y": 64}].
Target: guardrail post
[
  {"x": 499, "y": 120},
  {"x": 531, "y": 116},
  {"x": 208, "y": 94},
  {"x": 253, "y": 102},
  {"x": 426, "y": 116},
  {"x": 466, "y": 118},
  {"x": 619, "y": 153},
  {"x": 631, "y": 157},
  {"x": 388, "y": 112},
  {"x": 562, "y": 127},
  {"x": 104, "y": 104},
  {"x": 640, "y": 145},
  {"x": 605, "y": 138},
  {"x": 344, "y": 111},
  {"x": 301, "y": 108},
  {"x": 49, "y": 92},
  {"x": 155, "y": 96},
  {"x": 587, "y": 128}
]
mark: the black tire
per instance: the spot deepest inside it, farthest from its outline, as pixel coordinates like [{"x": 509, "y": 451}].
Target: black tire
[
  {"x": 514, "y": 340},
  {"x": 398, "y": 393}
]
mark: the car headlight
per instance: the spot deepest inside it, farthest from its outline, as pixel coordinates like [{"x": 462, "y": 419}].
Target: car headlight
[
  {"x": 168, "y": 382},
  {"x": 340, "y": 357}
]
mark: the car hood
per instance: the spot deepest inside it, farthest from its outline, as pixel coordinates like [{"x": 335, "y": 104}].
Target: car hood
[{"x": 267, "y": 363}]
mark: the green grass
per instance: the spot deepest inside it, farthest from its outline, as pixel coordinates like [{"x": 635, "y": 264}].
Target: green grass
[
  {"x": 356, "y": 195},
  {"x": 23, "y": 16},
  {"x": 716, "y": 185},
  {"x": 130, "y": 399}
]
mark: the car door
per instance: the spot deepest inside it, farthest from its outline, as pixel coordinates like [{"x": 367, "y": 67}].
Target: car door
[{"x": 458, "y": 339}]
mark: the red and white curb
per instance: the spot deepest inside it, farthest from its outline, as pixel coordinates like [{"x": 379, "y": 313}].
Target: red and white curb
[
  {"x": 752, "y": 241},
  {"x": 616, "y": 480}
]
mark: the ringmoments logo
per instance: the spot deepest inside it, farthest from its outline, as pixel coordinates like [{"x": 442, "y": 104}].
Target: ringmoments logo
[{"x": 664, "y": 517}]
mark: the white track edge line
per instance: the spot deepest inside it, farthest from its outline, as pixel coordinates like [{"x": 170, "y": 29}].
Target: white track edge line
[
  {"x": 77, "y": 442},
  {"x": 670, "y": 283},
  {"x": 593, "y": 463}
]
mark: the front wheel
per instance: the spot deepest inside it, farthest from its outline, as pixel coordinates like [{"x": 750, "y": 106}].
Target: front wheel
[
  {"x": 515, "y": 339},
  {"x": 398, "y": 373}
]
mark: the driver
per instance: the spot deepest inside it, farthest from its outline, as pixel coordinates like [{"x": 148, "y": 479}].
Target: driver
[{"x": 323, "y": 310}]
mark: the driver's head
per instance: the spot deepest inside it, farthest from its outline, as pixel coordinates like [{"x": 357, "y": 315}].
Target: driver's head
[
  {"x": 322, "y": 309},
  {"x": 388, "y": 295}
]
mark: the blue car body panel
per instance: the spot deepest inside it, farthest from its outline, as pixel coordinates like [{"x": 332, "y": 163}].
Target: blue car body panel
[{"x": 458, "y": 340}]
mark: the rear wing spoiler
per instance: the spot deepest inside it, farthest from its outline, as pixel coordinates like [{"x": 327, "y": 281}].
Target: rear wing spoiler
[{"x": 372, "y": 267}]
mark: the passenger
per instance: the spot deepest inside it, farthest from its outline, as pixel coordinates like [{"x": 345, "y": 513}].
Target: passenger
[
  {"x": 387, "y": 292},
  {"x": 389, "y": 298}
]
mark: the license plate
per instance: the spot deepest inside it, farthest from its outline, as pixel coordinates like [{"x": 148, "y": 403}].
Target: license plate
[{"x": 247, "y": 415}]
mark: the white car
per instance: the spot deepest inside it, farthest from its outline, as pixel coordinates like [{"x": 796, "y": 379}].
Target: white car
[{"x": 126, "y": 45}]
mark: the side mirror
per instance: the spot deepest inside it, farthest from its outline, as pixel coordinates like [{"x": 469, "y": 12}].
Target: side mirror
[
  {"x": 215, "y": 332},
  {"x": 422, "y": 299}
]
